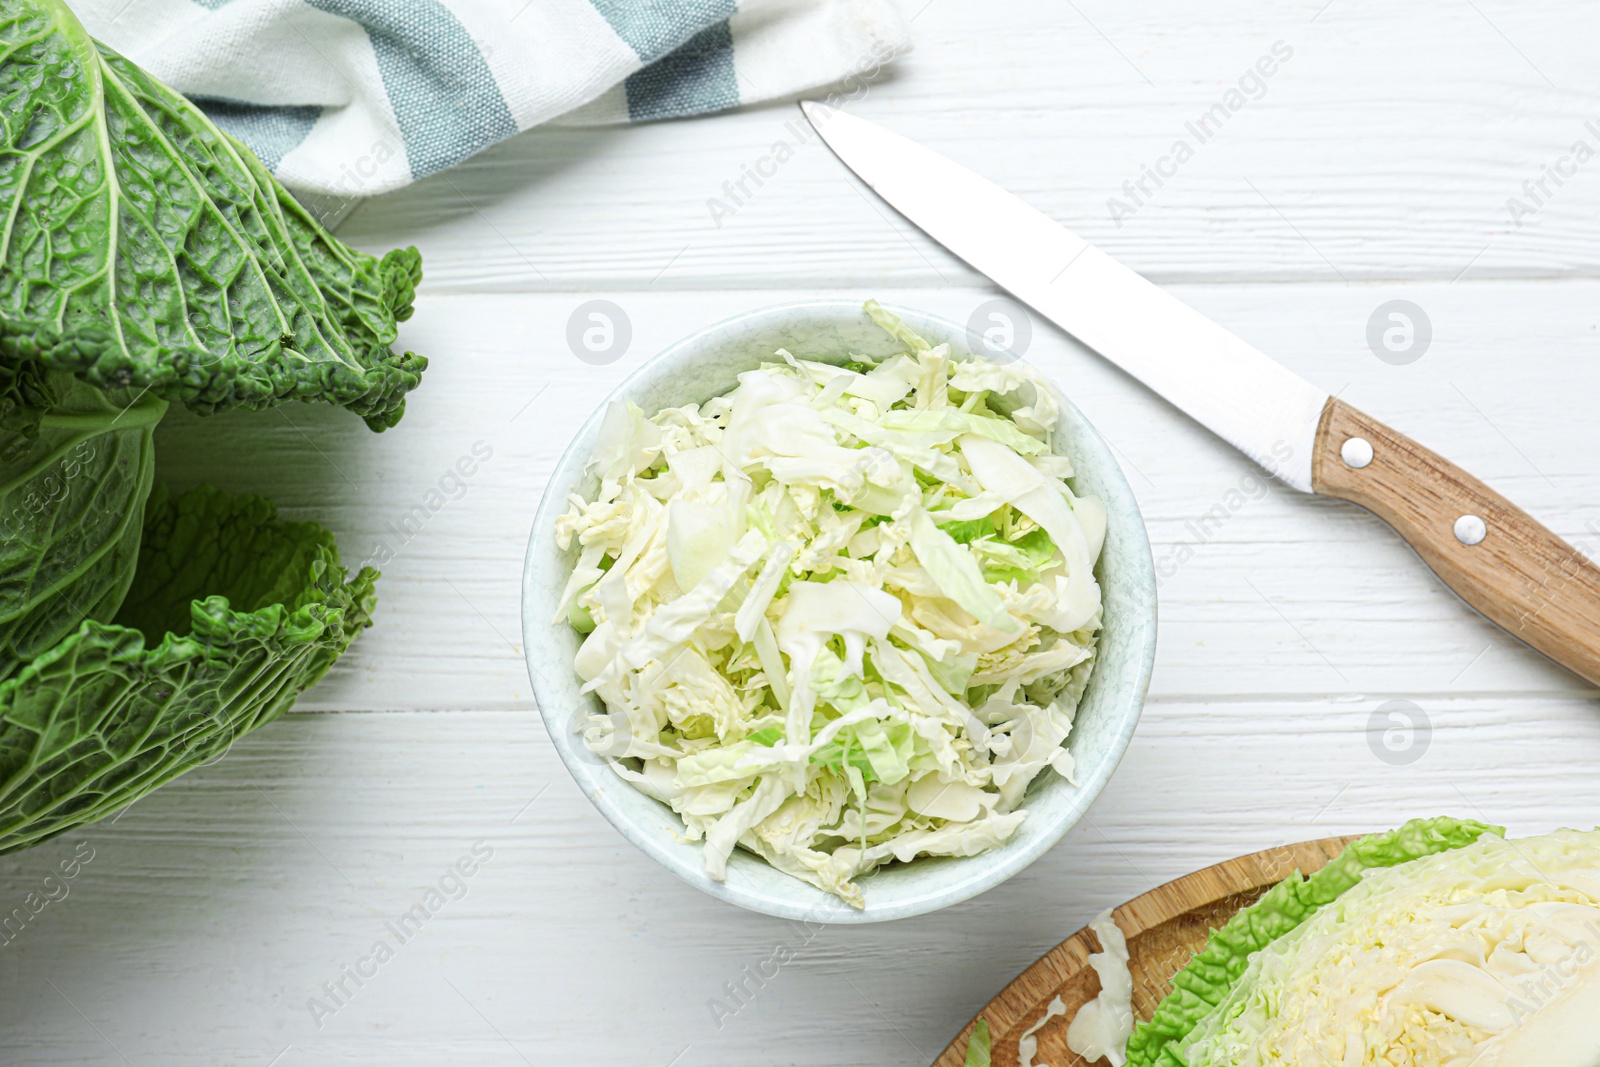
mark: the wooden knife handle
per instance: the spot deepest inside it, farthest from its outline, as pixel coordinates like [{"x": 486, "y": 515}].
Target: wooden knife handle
[{"x": 1524, "y": 578}]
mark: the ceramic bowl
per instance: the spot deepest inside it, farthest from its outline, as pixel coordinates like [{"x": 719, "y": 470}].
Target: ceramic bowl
[{"x": 705, "y": 365}]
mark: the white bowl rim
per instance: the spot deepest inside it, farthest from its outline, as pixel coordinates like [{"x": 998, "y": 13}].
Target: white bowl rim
[{"x": 1003, "y": 862}]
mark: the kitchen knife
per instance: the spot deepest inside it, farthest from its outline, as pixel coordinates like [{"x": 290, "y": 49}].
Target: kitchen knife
[{"x": 1495, "y": 556}]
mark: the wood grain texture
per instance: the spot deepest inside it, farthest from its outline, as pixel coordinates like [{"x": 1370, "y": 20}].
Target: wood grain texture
[
  {"x": 215, "y": 908},
  {"x": 1264, "y": 591},
  {"x": 1164, "y": 928},
  {"x": 1377, "y": 166},
  {"x": 1386, "y": 148},
  {"x": 1522, "y": 576}
]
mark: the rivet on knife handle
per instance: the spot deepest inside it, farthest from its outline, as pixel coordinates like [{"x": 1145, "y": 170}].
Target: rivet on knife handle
[{"x": 1496, "y": 556}]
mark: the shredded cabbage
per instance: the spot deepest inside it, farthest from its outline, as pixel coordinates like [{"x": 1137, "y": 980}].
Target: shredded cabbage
[
  {"x": 1101, "y": 1027},
  {"x": 841, "y": 616}
]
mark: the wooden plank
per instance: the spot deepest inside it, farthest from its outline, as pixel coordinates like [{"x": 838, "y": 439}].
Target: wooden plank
[
  {"x": 1263, "y": 590},
  {"x": 1387, "y": 146},
  {"x": 213, "y": 910}
]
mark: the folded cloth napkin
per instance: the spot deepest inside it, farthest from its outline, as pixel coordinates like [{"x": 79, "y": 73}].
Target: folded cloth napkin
[{"x": 348, "y": 98}]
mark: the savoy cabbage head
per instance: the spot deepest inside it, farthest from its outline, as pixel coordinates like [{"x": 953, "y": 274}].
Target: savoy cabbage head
[{"x": 147, "y": 258}]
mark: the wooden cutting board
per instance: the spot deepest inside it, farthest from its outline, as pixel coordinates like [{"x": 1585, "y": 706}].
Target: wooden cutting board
[{"x": 1165, "y": 928}]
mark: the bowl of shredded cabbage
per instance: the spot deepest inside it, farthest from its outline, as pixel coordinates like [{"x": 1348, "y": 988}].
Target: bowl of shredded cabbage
[{"x": 838, "y": 614}]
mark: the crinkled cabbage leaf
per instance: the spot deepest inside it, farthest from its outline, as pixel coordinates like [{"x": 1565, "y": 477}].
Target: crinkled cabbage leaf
[
  {"x": 142, "y": 247},
  {"x": 73, "y": 486},
  {"x": 231, "y": 615}
]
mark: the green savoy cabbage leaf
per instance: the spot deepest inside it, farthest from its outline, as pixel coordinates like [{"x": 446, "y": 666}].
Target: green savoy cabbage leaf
[
  {"x": 142, "y": 247},
  {"x": 232, "y": 613},
  {"x": 72, "y": 495},
  {"x": 978, "y": 1045},
  {"x": 1201, "y": 986},
  {"x": 146, "y": 257}
]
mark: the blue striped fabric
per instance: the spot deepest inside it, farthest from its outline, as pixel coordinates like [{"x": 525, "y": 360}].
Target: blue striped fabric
[
  {"x": 653, "y": 28},
  {"x": 271, "y": 131},
  {"x": 696, "y": 78},
  {"x": 348, "y": 98},
  {"x": 445, "y": 99}
]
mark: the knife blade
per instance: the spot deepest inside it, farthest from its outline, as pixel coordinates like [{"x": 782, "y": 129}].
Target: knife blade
[
  {"x": 1495, "y": 556},
  {"x": 1254, "y": 403}
]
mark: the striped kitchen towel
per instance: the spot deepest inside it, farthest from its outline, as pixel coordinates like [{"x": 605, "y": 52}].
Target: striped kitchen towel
[{"x": 348, "y": 98}]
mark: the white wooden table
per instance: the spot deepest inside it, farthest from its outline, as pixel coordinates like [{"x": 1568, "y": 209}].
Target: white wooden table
[{"x": 1376, "y": 165}]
